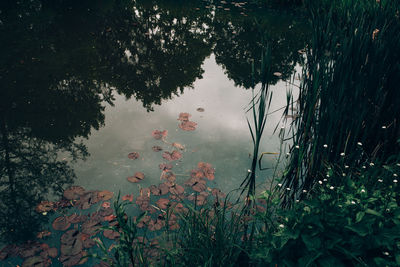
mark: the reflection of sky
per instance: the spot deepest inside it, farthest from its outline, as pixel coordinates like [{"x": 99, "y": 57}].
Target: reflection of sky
[{"x": 222, "y": 137}]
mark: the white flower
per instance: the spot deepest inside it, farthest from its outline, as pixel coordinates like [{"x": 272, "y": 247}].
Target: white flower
[
  {"x": 371, "y": 164},
  {"x": 325, "y": 180},
  {"x": 352, "y": 202},
  {"x": 383, "y": 127},
  {"x": 394, "y": 174},
  {"x": 380, "y": 180},
  {"x": 343, "y": 174},
  {"x": 325, "y": 145},
  {"x": 342, "y": 154},
  {"x": 362, "y": 191},
  {"x": 288, "y": 189},
  {"x": 280, "y": 185},
  {"x": 346, "y": 166},
  {"x": 249, "y": 171},
  {"x": 288, "y": 154},
  {"x": 331, "y": 188},
  {"x": 304, "y": 191},
  {"x": 394, "y": 181},
  {"x": 297, "y": 146},
  {"x": 327, "y": 176},
  {"x": 386, "y": 253},
  {"x": 297, "y": 201},
  {"x": 281, "y": 226},
  {"x": 398, "y": 164},
  {"x": 320, "y": 182},
  {"x": 359, "y": 143},
  {"x": 364, "y": 167}
]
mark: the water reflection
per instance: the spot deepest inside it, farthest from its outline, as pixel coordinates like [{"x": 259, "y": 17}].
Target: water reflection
[{"x": 61, "y": 61}]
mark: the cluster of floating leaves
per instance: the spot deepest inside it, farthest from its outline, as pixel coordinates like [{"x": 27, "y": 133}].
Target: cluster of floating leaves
[
  {"x": 163, "y": 204},
  {"x": 186, "y": 124}
]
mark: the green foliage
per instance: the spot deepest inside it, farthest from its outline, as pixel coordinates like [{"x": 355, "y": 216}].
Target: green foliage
[
  {"x": 354, "y": 224},
  {"x": 349, "y": 92}
]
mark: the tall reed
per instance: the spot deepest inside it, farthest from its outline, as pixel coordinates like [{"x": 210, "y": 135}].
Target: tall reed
[{"x": 348, "y": 105}]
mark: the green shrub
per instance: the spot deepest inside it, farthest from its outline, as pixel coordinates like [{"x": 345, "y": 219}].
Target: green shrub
[{"x": 354, "y": 224}]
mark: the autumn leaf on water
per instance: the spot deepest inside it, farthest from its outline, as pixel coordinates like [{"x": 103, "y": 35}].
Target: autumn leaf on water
[
  {"x": 159, "y": 134},
  {"x": 127, "y": 197},
  {"x": 184, "y": 116},
  {"x": 133, "y": 155},
  {"x": 178, "y": 146},
  {"x": 188, "y": 125},
  {"x": 200, "y": 109},
  {"x": 137, "y": 177},
  {"x": 174, "y": 155}
]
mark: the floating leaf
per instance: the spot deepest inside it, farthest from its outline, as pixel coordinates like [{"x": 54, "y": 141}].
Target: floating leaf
[
  {"x": 178, "y": 146},
  {"x": 74, "y": 192},
  {"x": 159, "y": 134},
  {"x": 61, "y": 223},
  {"x": 137, "y": 177},
  {"x": 162, "y": 203},
  {"x": 133, "y": 155},
  {"x": 35, "y": 261},
  {"x": 43, "y": 234},
  {"x": 165, "y": 166},
  {"x": 218, "y": 193},
  {"x": 199, "y": 187},
  {"x": 91, "y": 227},
  {"x": 156, "y": 148},
  {"x": 45, "y": 206},
  {"x": 188, "y": 125},
  {"x": 184, "y": 116},
  {"x": 109, "y": 218},
  {"x": 105, "y": 195},
  {"x": 106, "y": 205},
  {"x": 164, "y": 189},
  {"x": 111, "y": 234},
  {"x": 176, "y": 189},
  {"x": 169, "y": 176},
  {"x": 128, "y": 197},
  {"x": 174, "y": 155},
  {"x": 87, "y": 199},
  {"x": 200, "y": 109},
  {"x": 207, "y": 169}
]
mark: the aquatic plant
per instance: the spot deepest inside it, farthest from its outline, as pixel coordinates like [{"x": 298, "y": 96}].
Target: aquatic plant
[{"x": 348, "y": 108}]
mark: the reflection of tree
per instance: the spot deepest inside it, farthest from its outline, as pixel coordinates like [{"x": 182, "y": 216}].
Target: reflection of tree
[
  {"x": 30, "y": 171},
  {"x": 239, "y": 41}
]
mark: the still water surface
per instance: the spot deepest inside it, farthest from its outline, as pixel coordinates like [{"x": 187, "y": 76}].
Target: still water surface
[{"x": 82, "y": 86}]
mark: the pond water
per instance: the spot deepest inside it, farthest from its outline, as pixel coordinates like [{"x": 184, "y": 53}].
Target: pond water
[{"x": 82, "y": 86}]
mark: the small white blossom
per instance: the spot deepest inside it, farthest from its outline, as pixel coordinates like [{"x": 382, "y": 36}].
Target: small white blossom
[
  {"x": 394, "y": 174},
  {"x": 320, "y": 182},
  {"x": 398, "y": 164},
  {"x": 325, "y": 180},
  {"x": 281, "y": 226},
  {"x": 297, "y": 201},
  {"x": 280, "y": 185},
  {"x": 380, "y": 180},
  {"x": 331, "y": 188},
  {"x": 353, "y": 202},
  {"x": 346, "y": 166},
  {"x": 342, "y": 154},
  {"x": 288, "y": 189},
  {"x": 394, "y": 181},
  {"x": 304, "y": 191},
  {"x": 364, "y": 167},
  {"x": 340, "y": 206},
  {"x": 325, "y": 145},
  {"x": 383, "y": 127},
  {"x": 359, "y": 143},
  {"x": 328, "y": 175},
  {"x": 371, "y": 164},
  {"x": 362, "y": 191},
  {"x": 343, "y": 174},
  {"x": 249, "y": 171},
  {"x": 297, "y": 146},
  {"x": 386, "y": 253},
  {"x": 288, "y": 154}
]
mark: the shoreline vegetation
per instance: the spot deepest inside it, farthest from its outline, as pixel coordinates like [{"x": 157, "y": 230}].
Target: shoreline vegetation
[{"x": 337, "y": 201}]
